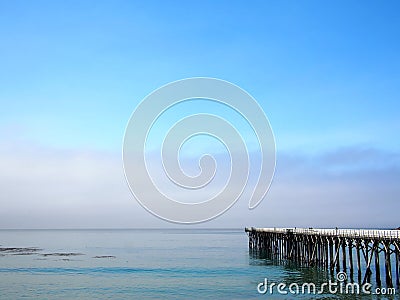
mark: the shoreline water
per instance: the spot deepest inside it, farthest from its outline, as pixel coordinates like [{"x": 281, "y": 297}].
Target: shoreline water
[{"x": 164, "y": 263}]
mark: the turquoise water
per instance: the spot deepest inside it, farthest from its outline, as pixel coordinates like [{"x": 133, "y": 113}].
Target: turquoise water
[{"x": 142, "y": 264}]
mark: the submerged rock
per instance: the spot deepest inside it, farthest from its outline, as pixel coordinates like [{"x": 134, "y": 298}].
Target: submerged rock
[
  {"x": 104, "y": 256},
  {"x": 62, "y": 254},
  {"x": 19, "y": 250}
]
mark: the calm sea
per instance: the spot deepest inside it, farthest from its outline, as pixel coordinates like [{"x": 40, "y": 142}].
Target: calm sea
[{"x": 142, "y": 264}]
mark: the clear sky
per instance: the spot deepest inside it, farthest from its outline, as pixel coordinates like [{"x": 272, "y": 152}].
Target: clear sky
[{"x": 327, "y": 74}]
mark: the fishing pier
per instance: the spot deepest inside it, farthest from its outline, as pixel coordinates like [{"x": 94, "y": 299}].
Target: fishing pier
[{"x": 341, "y": 250}]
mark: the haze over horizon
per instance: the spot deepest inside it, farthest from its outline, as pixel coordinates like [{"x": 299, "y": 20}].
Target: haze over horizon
[{"x": 327, "y": 76}]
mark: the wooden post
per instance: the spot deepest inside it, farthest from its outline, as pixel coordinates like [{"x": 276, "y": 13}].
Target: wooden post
[
  {"x": 337, "y": 248},
  {"x": 344, "y": 254},
  {"x": 358, "y": 260},
  {"x": 388, "y": 267},
  {"x": 326, "y": 253},
  {"x": 397, "y": 268},
  {"x": 368, "y": 272},
  {"x": 331, "y": 258},
  {"x": 377, "y": 268},
  {"x": 350, "y": 243}
]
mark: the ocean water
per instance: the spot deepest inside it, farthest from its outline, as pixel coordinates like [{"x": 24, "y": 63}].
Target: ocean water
[{"x": 144, "y": 264}]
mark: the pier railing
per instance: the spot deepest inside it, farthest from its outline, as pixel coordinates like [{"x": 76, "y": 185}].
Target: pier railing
[{"x": 351, "y": 233}]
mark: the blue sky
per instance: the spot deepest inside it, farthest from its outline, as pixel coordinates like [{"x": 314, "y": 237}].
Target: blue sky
[{"x": 326, "y": 73}]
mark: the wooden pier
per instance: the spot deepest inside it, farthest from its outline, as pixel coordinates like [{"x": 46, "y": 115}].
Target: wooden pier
[{"x": 334, "y": 249}]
